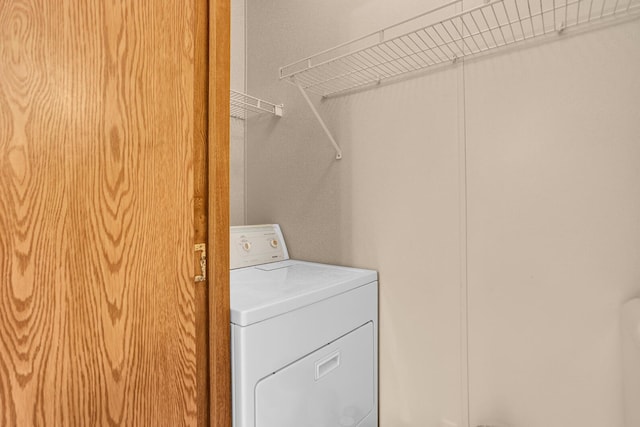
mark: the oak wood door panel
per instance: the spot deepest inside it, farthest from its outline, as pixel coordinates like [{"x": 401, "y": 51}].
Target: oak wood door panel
[
  {"x": 218, "y": 229},
  {"x": 200, "y": 202},
  {"x": 97, "y": 318}
]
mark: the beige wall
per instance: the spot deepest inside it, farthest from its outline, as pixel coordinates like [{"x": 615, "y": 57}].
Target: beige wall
[
  {"x": 391, "y": 204},
  {"x": 236, "y": 126},
  {"x": 553, "y": 138},
  {"x": 553, "y": 159}
]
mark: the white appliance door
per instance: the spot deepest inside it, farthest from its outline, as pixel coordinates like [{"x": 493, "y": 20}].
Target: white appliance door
[{"x": 332, "y": 386}]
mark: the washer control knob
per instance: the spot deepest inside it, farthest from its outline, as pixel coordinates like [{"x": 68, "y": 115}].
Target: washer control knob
[
  {"x": 246, "y": 246},
  {"x": 273, "y": 243}
]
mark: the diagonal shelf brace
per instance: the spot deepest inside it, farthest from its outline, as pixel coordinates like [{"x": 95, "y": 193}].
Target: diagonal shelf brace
[{"x": 324, "y": 126}]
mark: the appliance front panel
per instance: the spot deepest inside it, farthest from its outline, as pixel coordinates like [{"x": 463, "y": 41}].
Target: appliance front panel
[{"x": 333, "y": 386}]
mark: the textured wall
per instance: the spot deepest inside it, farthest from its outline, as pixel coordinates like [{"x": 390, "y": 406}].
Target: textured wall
[
  {"x": 553, "y": 138},
  {"x": 390, "y": 204},
  {"x": 237, "y": 126},
  {"x": 553, "y": 159}
]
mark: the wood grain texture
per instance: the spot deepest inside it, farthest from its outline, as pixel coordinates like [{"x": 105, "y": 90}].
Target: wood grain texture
[
  {"x": 200, "y": 147},
  {"x": 218, "y": 268},
  {"x": 96, "y": 213}
]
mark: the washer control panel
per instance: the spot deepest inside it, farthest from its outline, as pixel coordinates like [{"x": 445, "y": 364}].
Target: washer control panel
[{"x": 256, "y": 244}]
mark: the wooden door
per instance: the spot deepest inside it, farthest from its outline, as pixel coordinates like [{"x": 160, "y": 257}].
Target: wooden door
[{"x": 97, "y": 294}]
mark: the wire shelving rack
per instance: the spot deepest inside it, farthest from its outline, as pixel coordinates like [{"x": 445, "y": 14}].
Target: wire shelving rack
[
  {"x": 444, "y": 35},
  {"x": 242, "y": 104}
]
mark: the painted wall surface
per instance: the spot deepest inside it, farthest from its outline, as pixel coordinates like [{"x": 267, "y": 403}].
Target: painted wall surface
[
  {"x": 237, "y": 126},
  {"x": 552, "y": 134},
  {"x": 391, "y": 204},
  {"x": 553, "y": 139}
]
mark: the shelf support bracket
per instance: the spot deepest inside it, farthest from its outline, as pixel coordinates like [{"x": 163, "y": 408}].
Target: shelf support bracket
[{"x": 324, "y": 126}]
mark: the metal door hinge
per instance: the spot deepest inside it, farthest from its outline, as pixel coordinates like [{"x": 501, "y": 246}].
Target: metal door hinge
[{"x": 202, "y": 248}]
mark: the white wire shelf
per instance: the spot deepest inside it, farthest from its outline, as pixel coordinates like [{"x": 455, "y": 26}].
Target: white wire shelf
[
  {"x": 442, "y": 35},
  {"x": 242, "y": 104}
]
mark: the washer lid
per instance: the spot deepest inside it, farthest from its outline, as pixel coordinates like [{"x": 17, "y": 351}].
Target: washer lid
[{"x": 261, "y": 292}]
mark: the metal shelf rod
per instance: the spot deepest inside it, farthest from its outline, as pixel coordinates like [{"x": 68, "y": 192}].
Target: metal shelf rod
[{"x": 381, "y": 55}]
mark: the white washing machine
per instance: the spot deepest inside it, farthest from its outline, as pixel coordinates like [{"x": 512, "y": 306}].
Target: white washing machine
[{"x": 304, "y": 337}]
